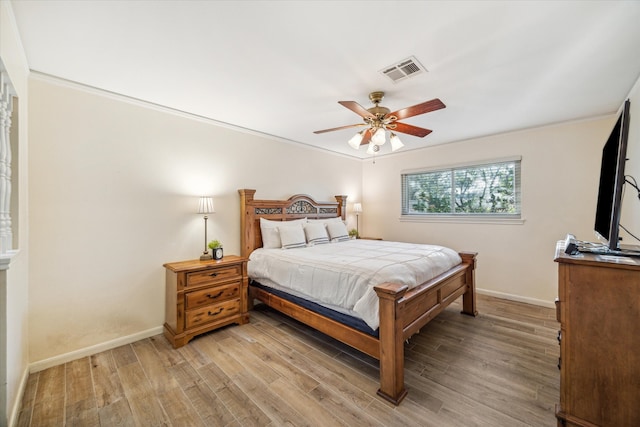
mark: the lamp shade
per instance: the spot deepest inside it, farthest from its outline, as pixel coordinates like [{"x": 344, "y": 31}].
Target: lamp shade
[
  {"x": 379, "y": 137},
  {"x": 373, "y": 148},
  {"x": 357, "y": 208},
  {"x": 205, "y": 205},
  {"x": 396, "y": 144},
  {"x": 356, "y": 140}
]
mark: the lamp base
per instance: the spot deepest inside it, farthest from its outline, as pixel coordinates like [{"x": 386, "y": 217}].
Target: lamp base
[{"x": 205, "y": 256}]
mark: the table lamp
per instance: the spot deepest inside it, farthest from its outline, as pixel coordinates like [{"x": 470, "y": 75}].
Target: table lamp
[{"x": 205, "y": 207}]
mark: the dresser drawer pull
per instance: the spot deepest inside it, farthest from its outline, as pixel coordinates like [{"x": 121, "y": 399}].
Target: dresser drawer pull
[
  {"x": 214, "y": 274},
  {"x": 559, "y": 337},
  {"x": 560, "y": 363},
  {"x": 216, "y": 313},
  {"x": 214, "y": 296}
]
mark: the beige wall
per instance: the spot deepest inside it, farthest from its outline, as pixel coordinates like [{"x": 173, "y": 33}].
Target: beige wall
[
  {"x": 114, "y": 187},
  {"x": 560, "y": 169}
]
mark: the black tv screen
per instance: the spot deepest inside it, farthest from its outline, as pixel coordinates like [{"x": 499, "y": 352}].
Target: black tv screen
[{"x": 612, "y": 178}]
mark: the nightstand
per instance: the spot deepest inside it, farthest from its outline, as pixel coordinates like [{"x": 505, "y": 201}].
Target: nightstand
[
  {"x": 370, "y": 238},
  {"x": 204, "y": 295}
]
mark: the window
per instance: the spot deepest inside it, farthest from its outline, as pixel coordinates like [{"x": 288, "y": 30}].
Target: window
[{"x": 482, "y": 190}]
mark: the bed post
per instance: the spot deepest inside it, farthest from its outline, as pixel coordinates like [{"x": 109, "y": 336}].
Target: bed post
[
  {"x": 469, "y": 297},
  {"x": 342, "y": 206},
  {"x": 247, "y": 234},
  {"x": 391, "y": 343}
]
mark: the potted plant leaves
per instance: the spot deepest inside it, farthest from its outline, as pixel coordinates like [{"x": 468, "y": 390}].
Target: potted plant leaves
[{"x": 216, "y": 249}]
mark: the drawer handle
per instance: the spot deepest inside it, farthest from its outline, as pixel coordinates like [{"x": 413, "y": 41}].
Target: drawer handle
[
  {"x": 559, "y": 337},
  {"x": 214, "y": 296},
  {"x": 214, "y": 274},
  {"x": 216, "y": 313},
  {"x": 560, "y": 363}
]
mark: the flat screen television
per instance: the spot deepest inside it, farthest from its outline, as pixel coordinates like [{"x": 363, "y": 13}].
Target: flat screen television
[{"x": 612, "y": 178}]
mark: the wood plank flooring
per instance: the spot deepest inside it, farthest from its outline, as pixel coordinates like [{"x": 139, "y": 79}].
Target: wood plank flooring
[{"x": 498, "y": 369}]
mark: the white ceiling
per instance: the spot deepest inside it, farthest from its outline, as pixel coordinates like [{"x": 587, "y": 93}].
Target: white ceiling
[{"x": 280, "y": 67}]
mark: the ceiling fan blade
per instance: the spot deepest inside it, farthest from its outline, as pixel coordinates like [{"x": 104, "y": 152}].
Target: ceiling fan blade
[
  {"x": 340, "y": 128},
  {"x": 425, "y": 107},
  {"x": 356, "y": 108},
  {"x": 409, "y": 129}
]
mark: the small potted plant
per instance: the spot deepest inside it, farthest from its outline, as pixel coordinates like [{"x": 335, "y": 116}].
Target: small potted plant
[
  {"x": 353, "y": 233},
  {"x": 216, "y": 249}
]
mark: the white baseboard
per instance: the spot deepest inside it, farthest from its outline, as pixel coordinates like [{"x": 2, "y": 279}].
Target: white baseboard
[
  {"x": 518, "y": 298},
  {"x": 15, "y": 410},
  {"x": 88, "y": 351}
]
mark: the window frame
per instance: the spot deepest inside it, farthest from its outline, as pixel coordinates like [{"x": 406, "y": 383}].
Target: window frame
[{"x": 463, "y": 217}]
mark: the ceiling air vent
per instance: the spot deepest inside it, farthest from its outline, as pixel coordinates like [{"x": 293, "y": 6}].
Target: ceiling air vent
[{"x": 404, "y": 69}]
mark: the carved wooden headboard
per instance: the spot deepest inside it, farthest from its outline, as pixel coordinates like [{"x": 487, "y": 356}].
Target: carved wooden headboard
[{"x": 298, "y": 206}]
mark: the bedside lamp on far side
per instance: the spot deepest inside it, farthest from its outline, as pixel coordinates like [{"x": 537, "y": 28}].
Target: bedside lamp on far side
[
  {"x": 357, "y": 209},
  {"x": 205, "y": 207}
]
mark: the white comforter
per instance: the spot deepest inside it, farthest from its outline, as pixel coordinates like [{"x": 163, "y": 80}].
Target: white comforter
[{"x": 342, "y": 275}]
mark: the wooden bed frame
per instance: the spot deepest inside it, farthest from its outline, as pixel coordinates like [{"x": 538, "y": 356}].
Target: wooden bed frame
[{"x": 402, "y": 311}]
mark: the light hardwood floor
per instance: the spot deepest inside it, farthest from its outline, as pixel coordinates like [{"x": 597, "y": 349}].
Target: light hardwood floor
[{"x": 498, "y": 369}]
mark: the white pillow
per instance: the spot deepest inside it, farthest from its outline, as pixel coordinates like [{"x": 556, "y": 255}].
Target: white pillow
[
  {"x": 337, "y": 231},
  {"x": 292, "y": 237},
  {"x": 316, "y": 233},
  {"x": 270, "y": 234},
  {"x": 326, "y": 220}
]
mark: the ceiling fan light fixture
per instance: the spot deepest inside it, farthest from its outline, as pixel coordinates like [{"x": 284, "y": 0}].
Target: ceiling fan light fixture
[
  {"x": 396, "y": 144},
  {"x": 373, "y": 149},
  {"x": 379, "y": 137},
  {"x": 356, "y": 140}
]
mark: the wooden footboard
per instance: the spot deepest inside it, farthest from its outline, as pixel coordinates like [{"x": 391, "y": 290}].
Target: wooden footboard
[{"x": 402, "y": 311}]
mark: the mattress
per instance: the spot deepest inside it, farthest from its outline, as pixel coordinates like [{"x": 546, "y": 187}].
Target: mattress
[{"x": 342, "y": 275}]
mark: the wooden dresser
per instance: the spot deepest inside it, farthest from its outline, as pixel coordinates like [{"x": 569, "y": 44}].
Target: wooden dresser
[
  {"x": 598, "y": 309},
  {"x": 204, "y": 295}
]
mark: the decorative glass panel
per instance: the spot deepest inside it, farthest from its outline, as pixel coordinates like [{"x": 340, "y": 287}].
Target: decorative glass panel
[{"x": 301, "y": 207}]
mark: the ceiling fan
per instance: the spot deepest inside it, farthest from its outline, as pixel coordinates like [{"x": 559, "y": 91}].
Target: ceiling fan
[{"x": 379, "y": 119}]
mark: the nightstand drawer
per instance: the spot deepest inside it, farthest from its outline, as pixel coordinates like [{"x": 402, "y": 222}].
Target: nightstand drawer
[
  {"x": 213, "y": 276},
  {"x": 212, "y": 313},
  {"x": 212, "y": 295}
]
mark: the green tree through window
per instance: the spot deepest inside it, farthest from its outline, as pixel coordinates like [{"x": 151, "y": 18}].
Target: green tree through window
[{"x": 489, "y": 189}]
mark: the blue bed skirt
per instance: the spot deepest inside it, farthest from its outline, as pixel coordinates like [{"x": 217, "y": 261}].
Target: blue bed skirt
[{"x": 345, "y": 319}]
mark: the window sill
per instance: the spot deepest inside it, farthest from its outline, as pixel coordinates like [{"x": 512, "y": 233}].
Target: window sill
[{"x": 461, "y": 219}]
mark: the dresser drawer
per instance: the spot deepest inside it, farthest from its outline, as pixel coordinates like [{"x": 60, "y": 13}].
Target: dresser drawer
[
  {"x": 212, "y": 313},
  {"x": 213, "y": 295},
  {"x": 214, "y": 275}
]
